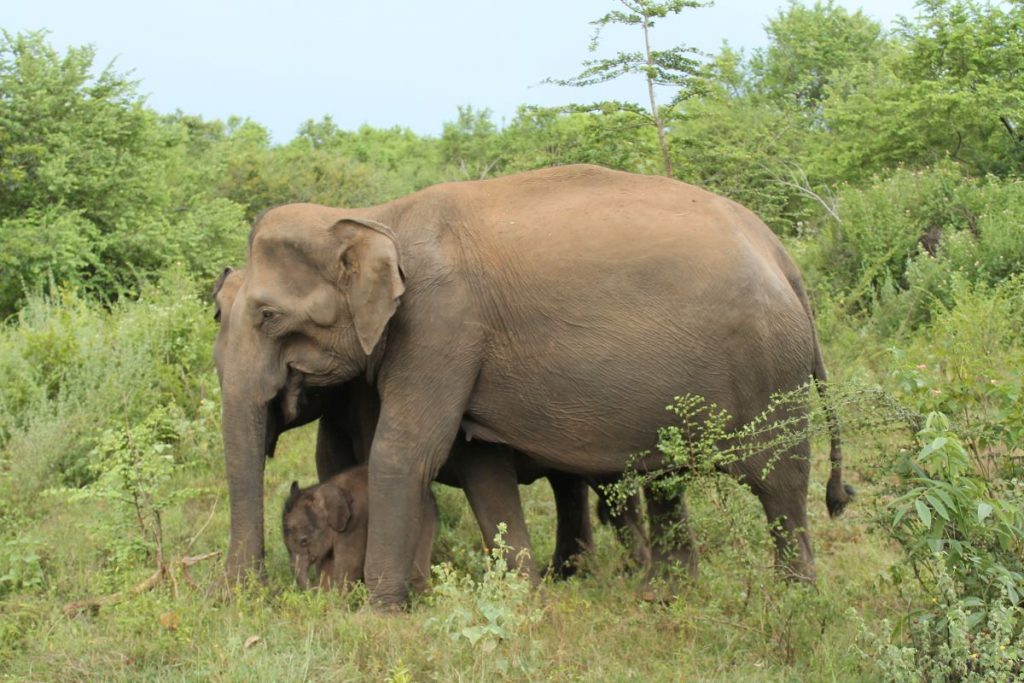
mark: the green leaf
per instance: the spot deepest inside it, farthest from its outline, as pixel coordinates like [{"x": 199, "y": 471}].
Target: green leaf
[
  {"x": 940, "y": 492},
  {"x": 984, "y": 510},
  {"x": 938, "y": 443},
  {"x": 937, "y": 506},
  {"x": 975, "y": 619},
  {"x": 923, "y": 513},
  {"x": 472, "y": 634},
  {"x": 900, "y": 514}
]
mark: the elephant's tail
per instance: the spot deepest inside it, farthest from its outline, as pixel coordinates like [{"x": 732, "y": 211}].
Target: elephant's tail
[{"x": 837, "y": 494}]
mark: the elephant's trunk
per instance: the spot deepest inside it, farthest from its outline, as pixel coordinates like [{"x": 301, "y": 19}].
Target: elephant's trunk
[{"x": 247, "y": 436}]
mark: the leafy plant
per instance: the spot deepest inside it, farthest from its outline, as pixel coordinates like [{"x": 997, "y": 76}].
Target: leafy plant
[
  {"x": 953, "y": 649},
  {"x": 970, "y": 370},
  {"x": 21, "y": 567},
  {"x": 949, "y": 515},
  {"x": 962, "y": 536},
  {"x": 485, "y": 613},
  {"x": 132, "y": 467}
]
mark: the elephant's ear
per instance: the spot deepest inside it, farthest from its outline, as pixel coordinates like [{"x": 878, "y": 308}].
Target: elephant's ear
[
  {"x": 338, "y": 504},
  {"x": 216, "y": 290},
  {"x": 371, "y": 276}
]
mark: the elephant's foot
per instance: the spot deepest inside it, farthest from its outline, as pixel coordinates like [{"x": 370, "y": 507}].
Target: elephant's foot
[
  {"x": 670, "y": 572},
  {"x": 794, "y": 560},
  {"x": 562, "y": 569}
]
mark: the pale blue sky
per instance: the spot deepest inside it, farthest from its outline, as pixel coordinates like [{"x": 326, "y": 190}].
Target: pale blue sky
[{"x": 402, "y": 62}]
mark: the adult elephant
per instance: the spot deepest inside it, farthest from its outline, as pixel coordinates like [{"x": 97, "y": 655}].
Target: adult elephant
[
  {"x": 556, "y": 311},
  {"x": 488, "y": 473}
]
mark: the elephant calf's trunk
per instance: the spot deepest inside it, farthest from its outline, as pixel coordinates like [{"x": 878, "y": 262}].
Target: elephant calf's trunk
[{"x": 300, "y": 568}]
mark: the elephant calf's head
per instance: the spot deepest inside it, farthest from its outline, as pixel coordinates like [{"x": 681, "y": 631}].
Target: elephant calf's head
[{"x": 322, "y": 529}]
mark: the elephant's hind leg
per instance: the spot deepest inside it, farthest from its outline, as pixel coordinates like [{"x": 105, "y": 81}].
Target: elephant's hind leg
[
  {"x": 629, "y": 528},
  {"x": 574, "y": 534},
  {"x": 783, "y": 495},
  {"x": 787, "y": 519},
  {"x": 672, "y": 538}
]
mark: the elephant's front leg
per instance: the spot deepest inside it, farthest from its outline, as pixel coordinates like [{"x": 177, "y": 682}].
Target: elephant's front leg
[
  {"x": 397, "y": 492},
  {"x": 420, "y": 414},
  {"x": 487, "y": 474}
]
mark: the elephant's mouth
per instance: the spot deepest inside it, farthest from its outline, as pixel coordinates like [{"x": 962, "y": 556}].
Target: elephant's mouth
[
  {"x": 295, "y": 405},
  {"x": 273, "y": 429}
]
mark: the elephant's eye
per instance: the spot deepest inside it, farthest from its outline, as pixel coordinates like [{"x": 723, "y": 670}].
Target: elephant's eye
[{"x": 268, "y": 317}]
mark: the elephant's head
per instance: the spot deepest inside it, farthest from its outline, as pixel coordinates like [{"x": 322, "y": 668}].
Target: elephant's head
[
  {"x": 310, "y": 310},
  {"x": 313, "y": 520}
]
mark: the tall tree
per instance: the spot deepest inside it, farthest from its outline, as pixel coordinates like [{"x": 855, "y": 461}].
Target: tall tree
[
  {"x": 672, "y": 67},
  {"x": 809, "y": 47},
  {"x": 954, "y": 87}
]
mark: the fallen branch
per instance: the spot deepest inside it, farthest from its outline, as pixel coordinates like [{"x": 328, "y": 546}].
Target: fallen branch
[{"x": 93, "y": 605}]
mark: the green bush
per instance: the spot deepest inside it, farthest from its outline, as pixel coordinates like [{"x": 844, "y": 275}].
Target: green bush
[
  {"x": 904, "y": 240},
  {"x": 962, "y": 536},
  {"x": 20, "y": 566},
  {"x": 74, "y": 368},
  {"x": 954, "y": 649},
  {"x": 881, "y": 228},
  {"x": 967, "y": 364}
]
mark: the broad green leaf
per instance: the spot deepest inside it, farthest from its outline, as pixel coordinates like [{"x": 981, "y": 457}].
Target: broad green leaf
[
  {"x": 936, "y": 444},
  {"x": 984, "y": 510}
]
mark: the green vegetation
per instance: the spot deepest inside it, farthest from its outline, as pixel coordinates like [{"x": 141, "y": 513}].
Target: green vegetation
[{"x": 891, "y": 163}]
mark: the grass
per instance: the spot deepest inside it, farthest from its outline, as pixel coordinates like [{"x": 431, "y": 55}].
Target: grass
[{"x": 737, "y": 622}]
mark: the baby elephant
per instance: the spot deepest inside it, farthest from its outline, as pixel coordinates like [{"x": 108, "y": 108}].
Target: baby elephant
[{"x": 325, "y": 527}]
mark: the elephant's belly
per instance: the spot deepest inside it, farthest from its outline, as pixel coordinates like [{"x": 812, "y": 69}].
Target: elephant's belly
[
  {"x": 589, "y": 407},
  {"x": 547, "y": 447},
  {"x": 583, "y": 426}
]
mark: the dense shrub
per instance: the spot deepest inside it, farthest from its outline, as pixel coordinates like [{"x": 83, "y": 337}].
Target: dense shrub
[
  {"x": 902, "y": 242},
  {"x": 73, "y": 368},
  {"x": 962, "y": 535}
]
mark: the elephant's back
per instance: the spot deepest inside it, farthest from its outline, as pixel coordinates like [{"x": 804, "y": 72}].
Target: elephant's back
[{"x": 586, "y": 241}]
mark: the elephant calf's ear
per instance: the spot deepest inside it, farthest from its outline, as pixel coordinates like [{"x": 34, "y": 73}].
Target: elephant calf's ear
[
  {"x": 293, "y": 495},
  {"x": 338, "y": 502},
  {"x": 373, "y": 279}
]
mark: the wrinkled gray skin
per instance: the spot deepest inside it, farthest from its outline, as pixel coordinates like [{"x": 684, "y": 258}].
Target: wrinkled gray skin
[
  {"x": 555, "y": 311},
  {"x": 348, "y": 416},
  {"x": 325, "y": 528}
]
